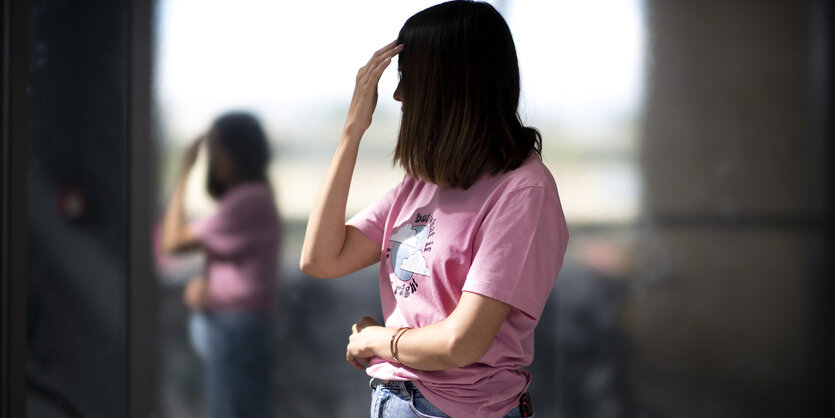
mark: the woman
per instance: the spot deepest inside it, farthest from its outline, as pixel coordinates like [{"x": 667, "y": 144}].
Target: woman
[
  {"x": 232, "y": 304},
  {"x": 472, "y": 239}
]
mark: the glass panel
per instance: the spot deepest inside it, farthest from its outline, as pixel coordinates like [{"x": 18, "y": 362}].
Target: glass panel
[
  {"x": 681, "y": 137},
  {"x": 77, "y": 240}
]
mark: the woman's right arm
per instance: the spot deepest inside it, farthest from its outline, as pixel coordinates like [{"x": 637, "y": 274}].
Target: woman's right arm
[
  {"x": 176, "y": 235},
  {"x": 332, "y": 248}
]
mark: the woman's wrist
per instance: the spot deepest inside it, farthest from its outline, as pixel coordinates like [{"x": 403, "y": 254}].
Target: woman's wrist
[
  {"x": 353, "y": 132},
  {"x": 379, "y": 341},
  {"x": 395, "y": 340}
]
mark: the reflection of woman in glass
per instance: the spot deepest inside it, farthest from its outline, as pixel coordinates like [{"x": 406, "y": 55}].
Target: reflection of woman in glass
[
  {"x": 232, "y": 304},
  {"x": 472, "y": 239}
]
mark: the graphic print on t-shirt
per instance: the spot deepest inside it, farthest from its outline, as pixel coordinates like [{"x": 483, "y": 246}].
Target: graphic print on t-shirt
[{"x": 406, "y": 254}]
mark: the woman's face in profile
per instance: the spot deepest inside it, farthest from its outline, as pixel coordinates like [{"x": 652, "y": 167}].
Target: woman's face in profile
[{"x": 223, "y": 167}]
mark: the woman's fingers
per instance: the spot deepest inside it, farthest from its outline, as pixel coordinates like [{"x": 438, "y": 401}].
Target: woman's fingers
[
  {"x": 377, "y": 72},
  {"x": 383, "y": 52},
  {"x": 367, "y": 322},
  {"x": 369, "y": 76},
  {"x": 357, "y": 363},
  {"x": 378, "y": 62},
  {"x": 378, "y": 67},
  {"x": 384, "y": 59},
  {"x": 196, "y": 293},
  {"x": 353, "y": 361},
  {"x": 354, "y": 354},
  {"x": 365, "y": 91}
]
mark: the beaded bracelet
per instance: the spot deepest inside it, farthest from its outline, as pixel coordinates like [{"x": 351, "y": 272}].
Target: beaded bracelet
[{"x": 394, "y": 339}]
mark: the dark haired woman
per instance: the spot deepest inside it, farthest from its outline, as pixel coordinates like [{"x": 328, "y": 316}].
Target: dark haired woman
[
  {"x": 472, "y": 239},
  {"x": 232, "y": 304}
]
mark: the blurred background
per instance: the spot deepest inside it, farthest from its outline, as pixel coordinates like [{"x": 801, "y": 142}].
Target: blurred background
[{"x": 690, "y": 142}]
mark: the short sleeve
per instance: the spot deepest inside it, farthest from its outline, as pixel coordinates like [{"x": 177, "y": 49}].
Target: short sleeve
[
  {"x": 371, "y": 221},
  {"x": 519, "y": 249},
  {"x": 242, "y": 219}
]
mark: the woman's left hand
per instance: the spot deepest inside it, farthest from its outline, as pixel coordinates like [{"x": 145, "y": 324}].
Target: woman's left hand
[
  {"x": 196, "y": 293},
  {"x": 359, "y": 351}
]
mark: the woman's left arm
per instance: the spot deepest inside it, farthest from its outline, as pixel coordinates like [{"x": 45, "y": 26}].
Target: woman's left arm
[{"x": 459, "y": 340}]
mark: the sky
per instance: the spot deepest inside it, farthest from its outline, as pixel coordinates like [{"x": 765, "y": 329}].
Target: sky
[{"x": 580, "y": 60}]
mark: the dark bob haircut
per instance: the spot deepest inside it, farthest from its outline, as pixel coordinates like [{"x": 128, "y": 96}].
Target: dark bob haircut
[
  {"x": 240, "y": 134},
  {"x": 459, "y": 81}
]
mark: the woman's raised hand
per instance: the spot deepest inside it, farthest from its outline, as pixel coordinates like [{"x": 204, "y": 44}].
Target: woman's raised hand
[
  {"x": 190, "y": 156},
  {"x": 365, "y": 91}
]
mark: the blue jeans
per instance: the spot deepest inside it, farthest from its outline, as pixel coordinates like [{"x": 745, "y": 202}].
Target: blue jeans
[
  {"x": 237, "y": 353},
  {"x": 395, "y": 399}
]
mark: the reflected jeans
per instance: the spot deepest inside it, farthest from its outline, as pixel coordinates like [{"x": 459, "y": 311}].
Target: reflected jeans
[
  {"x": 395, "y": 399},
  {"x": 237, "y": 353}
]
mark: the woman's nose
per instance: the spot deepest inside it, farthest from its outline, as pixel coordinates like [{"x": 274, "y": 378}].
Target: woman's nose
[{"x": 397, "y": 95}]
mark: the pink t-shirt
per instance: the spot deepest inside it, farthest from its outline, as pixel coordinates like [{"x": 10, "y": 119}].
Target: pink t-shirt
[
  {"x": 505, "y": 238},
  {"x": 241, "y": 240}
]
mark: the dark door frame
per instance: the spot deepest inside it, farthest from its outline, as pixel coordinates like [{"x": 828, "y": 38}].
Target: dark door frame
[
  {"x": 140, "y": 275},
  {"x": 14, "y": 119},
  {"x": 13, "y": 131}
]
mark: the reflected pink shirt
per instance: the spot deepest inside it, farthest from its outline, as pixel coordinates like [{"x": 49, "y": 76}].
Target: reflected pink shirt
[
  {"x": 241, "y": 241},
  {"x": 505, "y": 238}
]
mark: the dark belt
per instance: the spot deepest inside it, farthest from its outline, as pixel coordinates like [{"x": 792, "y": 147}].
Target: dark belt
[{"x": 525, "y": 405}]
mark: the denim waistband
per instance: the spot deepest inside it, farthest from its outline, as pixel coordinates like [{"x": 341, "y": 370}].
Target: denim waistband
[{"x": 400, "y": 387}]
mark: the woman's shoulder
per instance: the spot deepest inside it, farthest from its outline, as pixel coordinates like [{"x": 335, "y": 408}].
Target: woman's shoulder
[
  {"x": 248, "y": 195},
  {"x": 248, "y": 190},
  {"x": 412, "y": 185},
  {"x": 532, "y": 173}
]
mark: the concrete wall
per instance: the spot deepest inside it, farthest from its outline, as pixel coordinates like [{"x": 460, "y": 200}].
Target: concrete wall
[{"x": 734, "y": 195}]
